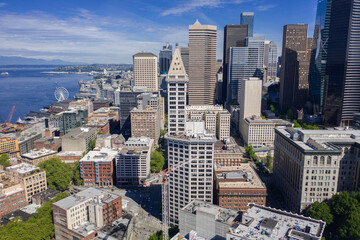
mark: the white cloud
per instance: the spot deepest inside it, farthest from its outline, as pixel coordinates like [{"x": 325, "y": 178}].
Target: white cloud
[
  {"x": 265, "y": 7},
  {"x": 191, "y": 5},
  {"x": 84, "y": 38},
  {"x": 2, "y": 4}
]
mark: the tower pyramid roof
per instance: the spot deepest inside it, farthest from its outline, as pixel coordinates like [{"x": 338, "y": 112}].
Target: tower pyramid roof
[{"x": 177, "y": 65}]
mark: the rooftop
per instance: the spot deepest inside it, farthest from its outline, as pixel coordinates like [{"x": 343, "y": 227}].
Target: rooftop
[
  {"x": 23, "y": 168},
  {"x": 144, "y": 54},
  {"x": 223, "y": 215},
  {"x": 204, "y": 107},
  {"x": 89, "y": 193},
  {"x": 80, "y": 132},
  {"x": 243, "y": 176},
  {"x": 100, "y": 155},
  {"x": 260, "y": 222},
  {"x": 319, "y": 140},
  {"x": 33, "y": 154},
  {"x": 227, "y": 146}
]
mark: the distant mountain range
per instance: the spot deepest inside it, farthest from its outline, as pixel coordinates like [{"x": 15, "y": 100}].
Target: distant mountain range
[{"x": 5, "y": 60}]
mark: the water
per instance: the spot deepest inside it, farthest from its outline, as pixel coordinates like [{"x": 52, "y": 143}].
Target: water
[{"x": 31, "y": 89}]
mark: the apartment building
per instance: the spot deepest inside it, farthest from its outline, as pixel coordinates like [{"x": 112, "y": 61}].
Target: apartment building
[
  {"x": 9, "y": 146},
  {"x": 216, "y": 118},
  {"x": 236, "y": 187},
  {"x": 80, "y": 216},
  {"x": 31, "y": 178},
  {"x": 97, "y": 168},
  {"x": 133, "y": 162},
  {"x": 313, "y": 165}
]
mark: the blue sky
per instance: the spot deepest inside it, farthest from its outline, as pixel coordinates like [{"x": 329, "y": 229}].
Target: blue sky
[{"x": 111, "y": 31}]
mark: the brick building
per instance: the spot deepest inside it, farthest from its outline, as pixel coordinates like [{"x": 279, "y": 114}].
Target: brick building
[
  {"x": 227, "y": 153},
  {"x": 236, "y": 187},
  {"x": 97, "y": 168}
]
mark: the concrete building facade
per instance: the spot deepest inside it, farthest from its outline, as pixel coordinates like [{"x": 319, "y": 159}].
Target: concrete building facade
[
  {"x": 78, "y": 139},
  {"x": 202, "y": 64},
  {"x": 146, "y": 70}
]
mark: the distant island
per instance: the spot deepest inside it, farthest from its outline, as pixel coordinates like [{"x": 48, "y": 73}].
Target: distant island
[{"x": 7, "y": 60}]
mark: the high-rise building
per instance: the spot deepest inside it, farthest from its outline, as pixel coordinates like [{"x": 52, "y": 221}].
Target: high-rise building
[
  {"x": 185, "y": 58},
  {"x": 270, "y": 61},
  {"x": 247, "y": 18},
  {"x": 234, "y": 36},
  {"x": 250, "y": 101},
  {"x": 146, "y": 70},
  {"x": 319, "y": 54},
  {"x": 244, "y": 62},
  {"x": 165, "y": 57},
  {"x": 342, "y": 77},
  {"x": 177, "y": 81},
  {"x": 133, "y": 162},
  {"x": 145, "y": 122},
  {"x": 313, "y": 165},
  {"x": 202, "y": 64},
  {"x": 194, "y": 179},
  {"x": 296, "y": 51}
]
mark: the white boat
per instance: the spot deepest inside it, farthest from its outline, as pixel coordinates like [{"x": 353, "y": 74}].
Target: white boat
[{"x": 4, "y": 73}]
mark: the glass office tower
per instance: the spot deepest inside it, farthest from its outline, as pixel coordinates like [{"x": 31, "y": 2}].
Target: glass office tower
[
  {"x": 247, "y": 18},
  {"x": 319, "y": 54}
]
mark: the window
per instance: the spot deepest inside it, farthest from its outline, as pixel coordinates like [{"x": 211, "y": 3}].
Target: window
[
  {"x": 322, "y": 161},
  {"x": 315, "y": 160},
  {"x": 328, "y": 162}
]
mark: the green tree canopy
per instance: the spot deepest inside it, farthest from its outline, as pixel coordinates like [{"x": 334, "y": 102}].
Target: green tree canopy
[
  {"x": 250, "y": 152},
  {"x": 5, "y": 160},
  {"x": 58, "y": 174},
  {"x": 76, "y": 174},
  {"x": 39, "y": 227},
  {"x": 341, "y": 213},
  {"x": 157, "y": 161}
]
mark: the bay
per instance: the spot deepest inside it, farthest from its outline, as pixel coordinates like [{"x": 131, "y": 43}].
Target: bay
[{"x": 31, "y": 88}]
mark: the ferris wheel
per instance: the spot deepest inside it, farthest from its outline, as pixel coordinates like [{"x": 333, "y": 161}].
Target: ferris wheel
[{"x": 61, "y": 94}]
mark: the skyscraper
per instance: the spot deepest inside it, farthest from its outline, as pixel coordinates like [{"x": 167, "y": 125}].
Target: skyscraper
[
  {"x": 185, "y": 58},
  {"x": 202, "y": 64},
  {"x": 247, "y": 18},
  {"x": 177, "y": 81},
  {"x": 270, "y": 61},
  {"x": 165, "y": 57},
  {"x": 319, "y": 54},
  {"x": 342, "y": 76},
  {"x": 234, "y": 36},
  {"x": 145, "y": 71},
  {"x": 244, "y": 62},
  {"x": 296, "y": 51}
]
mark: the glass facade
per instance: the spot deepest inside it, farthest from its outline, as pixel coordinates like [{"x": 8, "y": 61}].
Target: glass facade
[
  {"x": 319, "y": 54},
  {"x": 165, "y": 57},
  {"x": 247, "y": 18}
]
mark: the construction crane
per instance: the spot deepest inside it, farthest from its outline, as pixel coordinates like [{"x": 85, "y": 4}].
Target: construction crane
[
  {"x": 6, "y": 125},
  {"x": 164, "y": 194}
]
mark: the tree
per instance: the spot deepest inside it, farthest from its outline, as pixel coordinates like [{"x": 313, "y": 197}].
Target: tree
[
  {"x": 39, "y": 227},
  {"x": 58, "y": 174},
  {"x": 250, "y": 152},
  {"x": 91, "y": 144},
  {"x": 5, "y": 160},
  {"x": 341, "y": 213},
  {"x": 296, "y": 124},
  {"x": 157, "y": 161},
  {"x": 156, "y": 236},
  {"x": 269, "y": 160},
  {"x": 76, "y": 174},
  {"x": 320, "y": 211}
]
